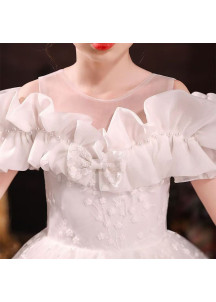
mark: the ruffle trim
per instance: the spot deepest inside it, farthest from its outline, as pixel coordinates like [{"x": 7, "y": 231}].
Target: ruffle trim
[{"x": 178, "y": 140}]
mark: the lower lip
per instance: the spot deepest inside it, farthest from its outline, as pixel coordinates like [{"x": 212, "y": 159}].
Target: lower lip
[{"x": 102, "y": 46}]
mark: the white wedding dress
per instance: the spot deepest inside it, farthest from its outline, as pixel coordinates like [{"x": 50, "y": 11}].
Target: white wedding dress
[{"x": 107, "y": 190}]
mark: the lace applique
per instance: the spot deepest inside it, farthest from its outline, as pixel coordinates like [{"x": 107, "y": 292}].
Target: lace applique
[
  {"x": 79, "y": 164},
  {"x": 115, "y": 213},
  {"x": 64, "y": 231}
]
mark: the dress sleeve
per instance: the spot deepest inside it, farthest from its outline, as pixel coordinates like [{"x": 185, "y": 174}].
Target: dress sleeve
[
  {"x": 202, "y": 138},
  {"x": 16, "y": 132},
  {"x": 178, "y": 140},
  {"x": 189, "y": 121},
  {"x": 34, "y": 136}
]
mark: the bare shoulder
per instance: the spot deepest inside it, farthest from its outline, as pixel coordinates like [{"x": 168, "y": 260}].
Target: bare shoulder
[
  {"x": 179, "y": 85},
  {"x": 28, "y": 88}
]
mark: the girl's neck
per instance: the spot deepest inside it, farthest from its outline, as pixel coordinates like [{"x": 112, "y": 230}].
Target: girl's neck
[{"x": 105, "y": 78}]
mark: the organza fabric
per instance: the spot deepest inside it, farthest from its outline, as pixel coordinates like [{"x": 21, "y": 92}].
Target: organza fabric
[{"x": 107, "y": 190}]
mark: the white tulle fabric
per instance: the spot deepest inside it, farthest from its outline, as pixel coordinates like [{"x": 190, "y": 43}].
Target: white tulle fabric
[{"x": 107, "y": 190}]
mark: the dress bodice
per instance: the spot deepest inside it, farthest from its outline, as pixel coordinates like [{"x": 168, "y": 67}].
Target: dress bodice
[
  {"x": 108, "y": 189},
  {"x": 97, "y": 219}
]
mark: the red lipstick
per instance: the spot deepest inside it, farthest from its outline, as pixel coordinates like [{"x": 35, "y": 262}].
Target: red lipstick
[{"x": 102, "y": 46}]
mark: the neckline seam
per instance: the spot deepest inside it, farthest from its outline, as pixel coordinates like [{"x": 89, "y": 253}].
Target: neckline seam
[{"x": 145, "y": 81}]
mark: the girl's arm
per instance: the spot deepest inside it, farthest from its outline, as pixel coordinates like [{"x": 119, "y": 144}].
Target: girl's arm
[
  {"x": 5, "y": 180},
  {"x": 206, "y": 190}
]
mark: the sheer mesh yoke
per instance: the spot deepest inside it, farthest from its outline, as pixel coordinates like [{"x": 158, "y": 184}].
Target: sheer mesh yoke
[{"x": 68, "y": 99}]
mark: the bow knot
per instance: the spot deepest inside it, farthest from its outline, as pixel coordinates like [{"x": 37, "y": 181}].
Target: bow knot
[{"x": 82, "y": 166}]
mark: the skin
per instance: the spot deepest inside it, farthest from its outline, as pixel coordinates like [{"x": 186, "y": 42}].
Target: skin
[{"x": 97, "y": 73}]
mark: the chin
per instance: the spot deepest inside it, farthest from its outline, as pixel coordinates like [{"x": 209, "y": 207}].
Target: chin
[{"x": 94, "y": 52}]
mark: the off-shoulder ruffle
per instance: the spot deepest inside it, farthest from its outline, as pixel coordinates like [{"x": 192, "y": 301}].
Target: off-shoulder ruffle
[
  {"x": 178, "y": 140},
  {"x": 15, "y": 144}
]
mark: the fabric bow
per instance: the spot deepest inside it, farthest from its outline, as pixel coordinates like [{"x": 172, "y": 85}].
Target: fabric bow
[{"x": 82, "y": 166}]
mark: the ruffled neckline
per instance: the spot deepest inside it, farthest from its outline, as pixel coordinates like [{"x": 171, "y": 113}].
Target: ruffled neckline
[
  {"x": 50, "y": 108},
  {"x": 180, "y": 128},
  {"x": 122, "y": 119}
]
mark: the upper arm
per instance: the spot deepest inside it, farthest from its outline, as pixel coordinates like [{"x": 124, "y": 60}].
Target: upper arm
[
  {"x": 206, "y": 191},
  {"x": 28, "y": 88},
  {"x": 179, "y": 85},
  {"x": 5, "y": 180}
]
